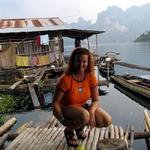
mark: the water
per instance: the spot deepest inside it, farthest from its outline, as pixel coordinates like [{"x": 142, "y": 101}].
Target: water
[{"x": 123, "y": 109}]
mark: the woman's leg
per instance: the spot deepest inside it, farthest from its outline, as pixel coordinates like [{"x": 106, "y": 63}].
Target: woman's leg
[
  {"x": 103, "y": 119},
  {"x": 76, "y": 116}
]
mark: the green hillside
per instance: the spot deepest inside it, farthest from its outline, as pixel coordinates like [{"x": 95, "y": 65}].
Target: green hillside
[{"x": 145, "y": 37}]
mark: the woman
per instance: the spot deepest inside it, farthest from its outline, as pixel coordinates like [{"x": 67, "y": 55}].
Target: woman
[{"x": 76, "y": 86}]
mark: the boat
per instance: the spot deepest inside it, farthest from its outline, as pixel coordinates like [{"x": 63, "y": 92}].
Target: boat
[
  {"x": 106, "y": 63},
  {"x": 136, "y": 84},
  {"x": 106, "y": 68},
  {"x": 134, "y": 96}
]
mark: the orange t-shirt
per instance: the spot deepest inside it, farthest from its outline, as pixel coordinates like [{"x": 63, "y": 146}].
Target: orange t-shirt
[{"x": 76, "y": 92}]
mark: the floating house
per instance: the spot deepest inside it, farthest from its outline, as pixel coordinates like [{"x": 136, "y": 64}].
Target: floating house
[{"x": 35, "y": 41}]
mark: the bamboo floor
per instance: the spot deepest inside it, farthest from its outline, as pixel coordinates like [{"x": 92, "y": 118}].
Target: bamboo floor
[{"x": 50, "y": 136}]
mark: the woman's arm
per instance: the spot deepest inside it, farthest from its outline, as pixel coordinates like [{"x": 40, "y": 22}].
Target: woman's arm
[
  {"x": 94, "y": 105},
  {"x": 56, "y": 104}
]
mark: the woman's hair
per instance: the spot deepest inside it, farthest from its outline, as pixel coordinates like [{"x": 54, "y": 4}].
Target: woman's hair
[{"x": 80, "y": 51}]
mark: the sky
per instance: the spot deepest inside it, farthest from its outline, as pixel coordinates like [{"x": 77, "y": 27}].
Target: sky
[{"x": 68, "y": 10}]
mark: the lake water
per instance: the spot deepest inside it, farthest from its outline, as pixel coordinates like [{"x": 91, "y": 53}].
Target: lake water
[{"x": 123, "y": 109}]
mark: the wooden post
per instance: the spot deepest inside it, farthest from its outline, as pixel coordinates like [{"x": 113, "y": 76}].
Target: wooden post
[
  {"x": 3, "y": 139},
  {"x": 7, "y": 125},
  {"x": 131, "y": 138}
]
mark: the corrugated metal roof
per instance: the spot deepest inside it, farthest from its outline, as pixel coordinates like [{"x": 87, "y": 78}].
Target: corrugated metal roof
[
  {"x": 18, "y": 29},
  {"x": 30, "y": 24}
]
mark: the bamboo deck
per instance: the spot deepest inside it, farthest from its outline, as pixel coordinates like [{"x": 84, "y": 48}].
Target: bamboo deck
[{"x": 50, "y": 136}]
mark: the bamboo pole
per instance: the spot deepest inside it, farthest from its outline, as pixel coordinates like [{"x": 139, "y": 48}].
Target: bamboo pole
[
  {"x": 3, "y": 139},
  {"x": 95, "y": 139},
  {"x": 126, "y": 135},
  {"x": 7, "y": 125},
  {"x": 116, "y": 132},
  {"x": 102, "y": 133},
  {"x": 121, "y": 132},
  {"x": 147, "y": 118},
  {"x": 146, "y": 139},
  {"x": 111, "y": 131},
  {"x": 131, "y": 138}
]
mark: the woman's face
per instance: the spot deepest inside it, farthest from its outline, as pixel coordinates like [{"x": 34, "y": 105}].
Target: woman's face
[{"x": 81, "y": 63}]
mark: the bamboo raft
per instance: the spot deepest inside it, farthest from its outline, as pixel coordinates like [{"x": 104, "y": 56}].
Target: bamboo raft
[{"x": 50, "y": 136}]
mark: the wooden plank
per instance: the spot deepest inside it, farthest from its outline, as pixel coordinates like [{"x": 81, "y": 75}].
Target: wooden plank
[
  {"x": 132, "y": 66},
  {"x": 12, "y": 87},
  {"x": 39, "y": 77},
  {"x": 34, "y": 97}
]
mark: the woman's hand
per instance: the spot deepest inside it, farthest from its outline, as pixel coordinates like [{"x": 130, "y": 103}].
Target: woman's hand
[{"x": 92, "y": 121}]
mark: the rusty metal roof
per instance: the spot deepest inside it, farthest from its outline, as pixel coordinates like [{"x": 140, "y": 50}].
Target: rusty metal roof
[
  {"x": 30, "y": 24},
  {"x": 18, "y": 29}
]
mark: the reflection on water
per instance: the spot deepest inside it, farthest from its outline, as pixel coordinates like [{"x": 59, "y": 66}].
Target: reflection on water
[{"x": 134, "y": 96}]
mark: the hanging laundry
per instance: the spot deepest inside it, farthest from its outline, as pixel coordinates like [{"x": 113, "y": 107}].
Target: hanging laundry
[
  {"x": 22, "y": 61},
  {"x": 43, "y": 60},
  {"x": 38, "y": 40},
  {"x": 35, "y": 60},
  {"x": 44, "y": 39}
]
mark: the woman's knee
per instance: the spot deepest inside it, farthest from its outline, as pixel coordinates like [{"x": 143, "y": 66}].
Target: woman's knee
[
  {"x": 103, "y": 119},
  {"x": 85, "y": 116},
  {"x": 108, "y": 121},
  {"x": 76, "y": 113}
]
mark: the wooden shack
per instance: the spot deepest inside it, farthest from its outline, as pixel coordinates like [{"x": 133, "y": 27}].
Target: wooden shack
[{"x": 35, "y": 41}]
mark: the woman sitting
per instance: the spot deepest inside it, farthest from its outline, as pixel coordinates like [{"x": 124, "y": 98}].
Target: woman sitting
[{"x": 76, "y": 86}]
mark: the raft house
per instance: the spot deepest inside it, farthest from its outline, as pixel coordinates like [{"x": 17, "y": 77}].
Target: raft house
[
  {"x": 49, "y": 135},
  {"x": 32, "y": 53}
]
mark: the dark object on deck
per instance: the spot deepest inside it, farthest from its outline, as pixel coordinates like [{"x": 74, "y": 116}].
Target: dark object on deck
[
  {"x": 102, "y": 92},
  {"x": 112, "y": 144},
  {"x": 106, "y": 68},
  {"x": 134, "y": 83}
]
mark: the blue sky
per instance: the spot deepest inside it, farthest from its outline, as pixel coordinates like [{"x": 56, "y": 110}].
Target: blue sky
[{"x": 68, "y": 10}]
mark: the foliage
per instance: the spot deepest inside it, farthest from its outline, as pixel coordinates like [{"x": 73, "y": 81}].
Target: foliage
[
  {"x": 145, "y": 37},
  {"x": 7, "y": 103},
  {"x": 11, "y": 103},
  {"x": 2, "y": 119},
  {"x": 42, "y": 83}
]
